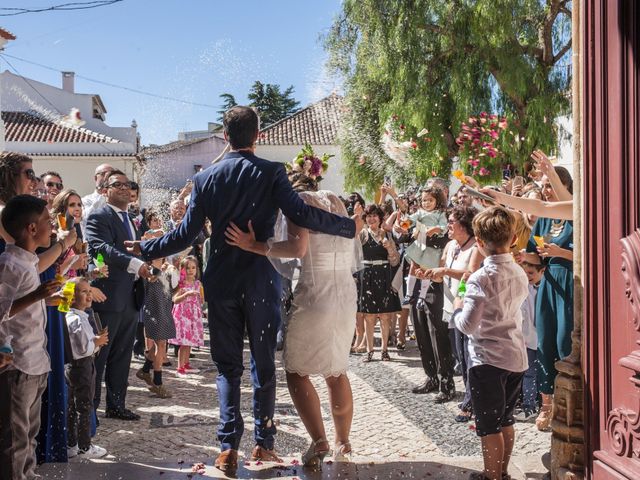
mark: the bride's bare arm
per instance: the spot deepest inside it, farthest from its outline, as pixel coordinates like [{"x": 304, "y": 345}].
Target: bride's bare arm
[{"x": 294, "y": 247}]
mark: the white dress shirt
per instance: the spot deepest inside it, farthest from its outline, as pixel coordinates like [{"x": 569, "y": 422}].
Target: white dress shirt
[
  {"x": 19, "y": 268},
  {"x": 491, "y": 315},
  {"x": 134, "y": 263},
  {"x": 81, "y": 335}
]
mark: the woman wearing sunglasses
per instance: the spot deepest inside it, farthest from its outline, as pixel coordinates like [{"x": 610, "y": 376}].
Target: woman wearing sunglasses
[{"x": 16, "y": 178}]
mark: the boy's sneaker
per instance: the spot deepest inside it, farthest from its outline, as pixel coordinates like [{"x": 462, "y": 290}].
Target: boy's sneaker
[
  {"x": 94, "y": 451},
  {"x": 189, "y": 369},
  {"x": 181, "y": 371},
  {"x": 72, "y": 451},
  {"x": 160, "y": 391},
  {"x": 145, "y": 376},
  {"x": 525, "y": 415}
]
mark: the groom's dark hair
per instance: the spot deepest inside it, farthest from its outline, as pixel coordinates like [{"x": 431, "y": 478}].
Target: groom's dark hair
[{"x": 241, "y": 125}]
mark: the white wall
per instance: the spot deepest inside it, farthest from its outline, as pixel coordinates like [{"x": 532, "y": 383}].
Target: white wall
[
  {"x": 18, "y": 96},
  {"x": 333, "y": 179},
  {"x": 565, "y": 142},
  {"x": 77, "y": 172}
]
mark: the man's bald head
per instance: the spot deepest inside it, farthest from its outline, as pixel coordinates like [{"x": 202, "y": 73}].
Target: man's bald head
[{"x": 101, "y": 172}]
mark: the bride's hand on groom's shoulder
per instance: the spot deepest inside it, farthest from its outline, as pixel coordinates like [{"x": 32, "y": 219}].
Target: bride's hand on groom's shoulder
[{"x": 238, "y": 238}]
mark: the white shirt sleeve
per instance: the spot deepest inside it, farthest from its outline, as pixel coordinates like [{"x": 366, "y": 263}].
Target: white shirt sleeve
[
  {"x": 468, "y": 320},
  {"x": 134, "y": 266}
]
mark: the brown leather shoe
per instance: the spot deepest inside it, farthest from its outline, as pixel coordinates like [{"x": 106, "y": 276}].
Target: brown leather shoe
[
  {"x": 227, "y": 461},
  {"x": 264, "y": 455}
]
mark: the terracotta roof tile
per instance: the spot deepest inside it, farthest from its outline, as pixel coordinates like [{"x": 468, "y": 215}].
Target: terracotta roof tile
[
  {"x": 6, "y": 34},
  {"x": 31, "y": 127},
  {"x": 317, "y": 124}
]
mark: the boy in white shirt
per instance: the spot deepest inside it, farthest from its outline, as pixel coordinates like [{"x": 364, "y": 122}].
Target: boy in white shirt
[
  {"x": 81, "y": 373},
  {"x": 490, "y": 316},
  {"x": 22, "y": 382}
]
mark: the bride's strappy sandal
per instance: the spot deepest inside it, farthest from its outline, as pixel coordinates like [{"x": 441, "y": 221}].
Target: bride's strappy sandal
[
  {"x": 342, "y": 452},
  {"x": 315, "y": 456}
]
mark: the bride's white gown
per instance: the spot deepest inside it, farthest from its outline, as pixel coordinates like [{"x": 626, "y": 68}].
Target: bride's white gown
[{"x": 320, "y": 329}]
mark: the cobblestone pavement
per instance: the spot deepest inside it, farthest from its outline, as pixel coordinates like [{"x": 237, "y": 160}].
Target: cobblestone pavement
[{"x": 390, "y": 423}]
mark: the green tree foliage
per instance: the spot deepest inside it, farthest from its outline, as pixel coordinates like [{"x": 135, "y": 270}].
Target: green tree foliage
[
  {"x": 434, "y": 64},
  {"x": 228, "y": 101},
  {"x": 271, "y": 103}
]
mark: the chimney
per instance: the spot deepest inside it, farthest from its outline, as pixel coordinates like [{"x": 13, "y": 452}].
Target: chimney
[{"x": 68, "y": 81}]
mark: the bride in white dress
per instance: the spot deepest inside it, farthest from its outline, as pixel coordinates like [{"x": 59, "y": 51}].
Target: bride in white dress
[{"x": 320, "y": 330}]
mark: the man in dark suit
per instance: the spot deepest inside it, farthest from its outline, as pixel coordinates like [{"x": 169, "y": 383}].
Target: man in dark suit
[
  {"x": 243, "y": 289},
  {"x": 108, "y": 228}
]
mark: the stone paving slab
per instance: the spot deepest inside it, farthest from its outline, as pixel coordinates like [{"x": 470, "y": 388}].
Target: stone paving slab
[
  {"x": 437, "y": 468},
  {"x": 391, "y": 426}
]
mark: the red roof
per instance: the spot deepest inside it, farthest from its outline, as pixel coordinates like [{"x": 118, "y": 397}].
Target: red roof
[
  {"x": 31, "y": 127},
  {"x": 317, "y": 124},
  {"x": 6, "y": 34}
]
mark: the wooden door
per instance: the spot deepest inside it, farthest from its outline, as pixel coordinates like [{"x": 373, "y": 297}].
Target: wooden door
[{"x": 611, "y": 216}]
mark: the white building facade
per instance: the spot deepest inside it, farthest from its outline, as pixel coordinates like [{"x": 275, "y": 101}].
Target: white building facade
[{"x": 38, "y": 122}]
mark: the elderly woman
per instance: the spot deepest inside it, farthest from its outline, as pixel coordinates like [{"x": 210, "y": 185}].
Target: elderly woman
[{"x": 376, "y": 297}]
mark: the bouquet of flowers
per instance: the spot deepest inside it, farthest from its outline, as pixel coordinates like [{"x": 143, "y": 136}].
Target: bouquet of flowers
[
  {"x": 478, "y": 143},
  {"x": 309, "y": 163}
]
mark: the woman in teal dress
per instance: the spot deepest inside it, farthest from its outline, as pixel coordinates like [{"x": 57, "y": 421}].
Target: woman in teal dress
[{"x": 554, "y": 303}]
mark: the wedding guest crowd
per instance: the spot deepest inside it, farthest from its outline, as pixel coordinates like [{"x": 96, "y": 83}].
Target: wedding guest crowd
[{"x": 428, "y": 254}]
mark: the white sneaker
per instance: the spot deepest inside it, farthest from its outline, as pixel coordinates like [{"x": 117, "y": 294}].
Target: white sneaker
[
  {"x": 524, "y": 416},
  {"x": 94, "y": 451},
  {"x": 72, "y": 451}
]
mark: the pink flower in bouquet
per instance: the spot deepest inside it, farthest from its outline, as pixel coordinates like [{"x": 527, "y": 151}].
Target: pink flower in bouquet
[
  {"x": 414, "y": 145},
  {"x": 483, "y": 172},
  {"x": 491, "y": 152},
  {"x": 316, "y": 167},
  {"x": 502, "y": 124},
  {"x": 494, "y": 134}
]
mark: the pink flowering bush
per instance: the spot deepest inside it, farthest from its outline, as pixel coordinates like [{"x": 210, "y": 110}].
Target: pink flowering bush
[{"x": 478, "y": 141}]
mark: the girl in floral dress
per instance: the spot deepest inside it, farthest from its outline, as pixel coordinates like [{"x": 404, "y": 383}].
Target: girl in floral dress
[{"x": 187, "y": 313}]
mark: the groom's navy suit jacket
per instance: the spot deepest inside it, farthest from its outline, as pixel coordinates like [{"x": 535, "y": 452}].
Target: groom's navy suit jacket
[{"x": 239, "y": 188}]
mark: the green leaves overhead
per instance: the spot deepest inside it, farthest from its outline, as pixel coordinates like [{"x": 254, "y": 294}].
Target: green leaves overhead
[{"x": 434, "y": 64}]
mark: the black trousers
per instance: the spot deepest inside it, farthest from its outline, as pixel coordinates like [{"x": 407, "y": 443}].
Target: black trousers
[
  {"x": 81, "y": 378},
  {"x": 432, "y": 335},
  {"x": 114, "y": 359}
]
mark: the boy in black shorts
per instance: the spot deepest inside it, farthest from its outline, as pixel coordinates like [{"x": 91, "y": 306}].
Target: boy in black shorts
[{"x": 490, "y": 315}]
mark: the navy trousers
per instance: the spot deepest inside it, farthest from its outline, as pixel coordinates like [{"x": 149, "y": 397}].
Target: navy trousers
[{"x": 228, "y": 320}]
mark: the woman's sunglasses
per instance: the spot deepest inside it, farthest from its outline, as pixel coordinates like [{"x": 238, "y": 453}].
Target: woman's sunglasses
[
  {"x": 59, "y": 186},
  {"x": 31, "y": 175}
]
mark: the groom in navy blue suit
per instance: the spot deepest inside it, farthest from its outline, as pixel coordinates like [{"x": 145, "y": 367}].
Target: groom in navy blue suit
[{"x": 243, "y": 289}]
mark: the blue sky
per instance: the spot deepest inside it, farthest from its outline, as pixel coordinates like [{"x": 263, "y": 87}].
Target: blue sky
[{"x": 190, "y": 49}]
